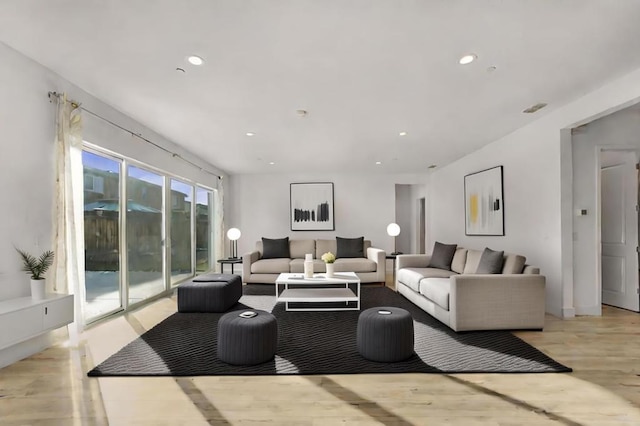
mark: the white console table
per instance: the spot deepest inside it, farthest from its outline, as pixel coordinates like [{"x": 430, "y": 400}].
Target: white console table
[{"x": 24, "y": 318}]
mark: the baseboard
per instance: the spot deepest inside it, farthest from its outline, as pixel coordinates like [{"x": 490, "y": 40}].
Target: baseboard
[
  {"x": 589, "y": 310},
  {"x": 568, "y": 312}
]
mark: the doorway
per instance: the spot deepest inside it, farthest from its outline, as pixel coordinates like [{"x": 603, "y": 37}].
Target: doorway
[{"x": 619, "y": 265}]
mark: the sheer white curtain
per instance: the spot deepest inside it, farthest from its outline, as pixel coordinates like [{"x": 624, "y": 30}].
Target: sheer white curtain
[{"x": 68, "y": 228}]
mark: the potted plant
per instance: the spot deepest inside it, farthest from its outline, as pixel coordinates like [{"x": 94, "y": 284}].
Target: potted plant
[
  {"x": 36, "y": 267},
  {"x": 329, "y": 258}
]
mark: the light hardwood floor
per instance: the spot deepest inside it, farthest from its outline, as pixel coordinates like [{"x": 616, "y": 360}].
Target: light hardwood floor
[{"x": 51, "y": 388}]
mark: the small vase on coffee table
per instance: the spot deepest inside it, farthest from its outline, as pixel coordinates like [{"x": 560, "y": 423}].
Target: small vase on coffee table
[{"x": 330, "y": 269}]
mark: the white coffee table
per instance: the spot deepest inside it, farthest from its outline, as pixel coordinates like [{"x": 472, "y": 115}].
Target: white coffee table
[{"x": 319, "y": 289}]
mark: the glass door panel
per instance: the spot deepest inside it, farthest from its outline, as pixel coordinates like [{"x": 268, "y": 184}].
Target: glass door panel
[
  {"x": 180, "y": 228},
  {"x": 145, "y": 233},
  {"x": 101, "y": 235},
  {"x": 204, "y": 209}
]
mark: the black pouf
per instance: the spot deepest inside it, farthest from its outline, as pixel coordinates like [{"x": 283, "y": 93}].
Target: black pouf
[
  {"x": 247, "y": 341},
  {"x": 209, "y": 293},
  {"x": 385, "y": 334}
]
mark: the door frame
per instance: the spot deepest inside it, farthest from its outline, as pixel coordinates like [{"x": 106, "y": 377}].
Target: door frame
[{"x": 599, "y": 150}]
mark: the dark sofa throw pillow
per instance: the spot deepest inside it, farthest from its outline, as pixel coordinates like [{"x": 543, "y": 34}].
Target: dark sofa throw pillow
[
  {"x": 490, "y": 262},
  {"x": 442, "y": 255},
  {"x": 275, "y": 248},
  {"x": 349, "y": 247}
]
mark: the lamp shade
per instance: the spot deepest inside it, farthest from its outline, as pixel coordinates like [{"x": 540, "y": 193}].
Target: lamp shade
[
  {"x": 393, "y": 230},
  {"x": 233, "y": 234}
]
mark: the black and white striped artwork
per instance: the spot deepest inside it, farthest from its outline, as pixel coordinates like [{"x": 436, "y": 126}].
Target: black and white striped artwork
[{"x": 311, "y": 207}]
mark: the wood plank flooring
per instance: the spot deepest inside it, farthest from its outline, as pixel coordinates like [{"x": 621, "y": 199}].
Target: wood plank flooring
[{"x": 51, "y": 388}]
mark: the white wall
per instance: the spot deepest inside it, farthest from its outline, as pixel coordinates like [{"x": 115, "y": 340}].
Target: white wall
[
  {"x": 621, "y": 130},
  {"x": 533, "y": 190},
  {"x": 404, "y": 209},
  {"x": 364, "y": 206},
  {"x": 27, "y": 120}
]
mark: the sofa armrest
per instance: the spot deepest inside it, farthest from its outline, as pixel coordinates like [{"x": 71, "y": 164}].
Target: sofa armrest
[
  {"x": 247, "y": 260},
  {"x": 497, "y": 301},
  {"x": 380, "y": 257},
  {"x": 412, "y": 261}
]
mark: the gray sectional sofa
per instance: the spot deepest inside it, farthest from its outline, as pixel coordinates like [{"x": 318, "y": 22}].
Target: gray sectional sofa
[
  {"x": 370, "y": 268},
  {"x": 511, "y": 299}
]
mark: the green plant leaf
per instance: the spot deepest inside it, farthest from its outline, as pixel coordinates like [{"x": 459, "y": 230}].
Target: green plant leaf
[{"x": 36, "y": 267}]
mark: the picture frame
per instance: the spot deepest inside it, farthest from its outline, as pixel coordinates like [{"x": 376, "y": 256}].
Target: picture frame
[
  {"x": 311, "y": 206},
  {"x": 484, "y": 202}
]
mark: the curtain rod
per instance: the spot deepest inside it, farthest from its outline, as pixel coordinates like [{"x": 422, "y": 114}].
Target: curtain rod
[{"x": 138, "y": 135}]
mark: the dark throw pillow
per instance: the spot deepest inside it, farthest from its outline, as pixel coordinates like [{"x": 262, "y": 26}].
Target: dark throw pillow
[
  {"x": 490, "y": 262},
  {"x": 275, "y": 248},
  {"x": 442, "y": 255},
  {"x": 349, "y": 247}
]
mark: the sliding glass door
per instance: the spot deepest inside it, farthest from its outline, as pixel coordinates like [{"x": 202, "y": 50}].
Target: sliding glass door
[
  {"x": 204, "y": 237},
  {"x": 181, "y": 231},
  {"x": 145, "y": 233},
  {"x": 101, "y": 234}
]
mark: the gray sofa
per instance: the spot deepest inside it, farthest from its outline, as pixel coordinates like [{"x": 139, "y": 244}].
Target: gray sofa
[
  {"x": 255, "y": 269},
  {"x": 513, "y": 299}
]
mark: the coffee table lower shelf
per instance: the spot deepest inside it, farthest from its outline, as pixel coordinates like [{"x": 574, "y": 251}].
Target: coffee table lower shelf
[{"x": 320, "y": 295}]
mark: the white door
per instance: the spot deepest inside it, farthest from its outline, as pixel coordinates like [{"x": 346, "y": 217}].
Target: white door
[{"x": 619, "y": 231}]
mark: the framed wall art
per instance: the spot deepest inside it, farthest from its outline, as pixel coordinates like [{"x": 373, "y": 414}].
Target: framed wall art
[
  {"x": 311, "y": 206},
  {"x": 484, "y": 202}
]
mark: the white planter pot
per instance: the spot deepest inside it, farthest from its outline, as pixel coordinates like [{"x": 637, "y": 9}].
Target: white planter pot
[
  {"x": 330, "y": 269},
  {"x": 37, "y": 289}
]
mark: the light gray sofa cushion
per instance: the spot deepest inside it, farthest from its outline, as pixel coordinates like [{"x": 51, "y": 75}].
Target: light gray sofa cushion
[
  {"x": 297, "y": 266},
  {"x": 270, "y": 266},
  {"x": 473, "y": 258},
  {"x": 513, "y": 263},
  {"x": 459, "y": 259},
  {"x": 324, "y": 246},
  {"x": 355, "y": 265},
  {"x": 298, "y": 248},
  {"x": 437, "y": 290},
  {"x": 412, "y": 276}
]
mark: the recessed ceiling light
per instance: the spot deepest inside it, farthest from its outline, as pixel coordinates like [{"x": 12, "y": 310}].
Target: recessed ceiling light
[
  {"x": 378, "y": 162},
  {"x": 467, "y": 59},
  {"x": 250, "y": 134},
  {"x": 403, "y": 133},
  {"x": 195, "y": 60},
  {"x": 271, "y": 163}
]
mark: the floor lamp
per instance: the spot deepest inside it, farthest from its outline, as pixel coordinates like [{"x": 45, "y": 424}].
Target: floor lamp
[
  {"x": 233, "y": 234},
  {"x": 394, "y": 230}
]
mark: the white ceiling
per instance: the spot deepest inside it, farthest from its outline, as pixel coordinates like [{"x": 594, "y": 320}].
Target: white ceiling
[{"x": 364, "y": 70}]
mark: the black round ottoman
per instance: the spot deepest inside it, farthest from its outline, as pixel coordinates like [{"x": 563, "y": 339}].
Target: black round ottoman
[
  {"x": 385, "y": 334},
  {"x": 247, "y": 340}
]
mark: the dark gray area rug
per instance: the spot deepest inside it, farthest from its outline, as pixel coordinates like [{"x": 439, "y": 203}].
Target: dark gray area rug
[{"x": 185, "y": 344}]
